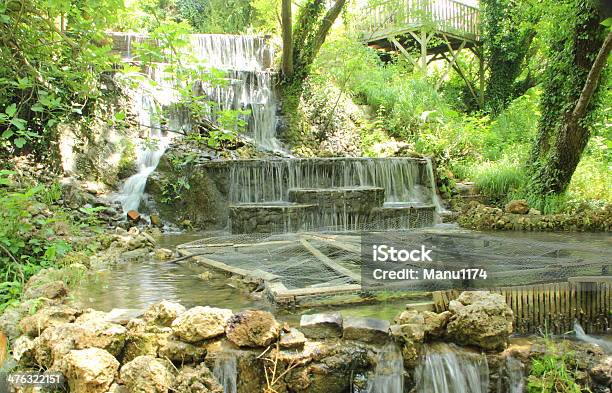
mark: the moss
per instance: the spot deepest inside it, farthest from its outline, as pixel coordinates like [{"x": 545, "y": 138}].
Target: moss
[{"x": 127, "y": 162}]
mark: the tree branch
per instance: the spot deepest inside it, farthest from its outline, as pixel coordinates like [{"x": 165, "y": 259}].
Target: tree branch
[
  {"x": 326, "y": 24},
  {"x": 592, "y": 79}
]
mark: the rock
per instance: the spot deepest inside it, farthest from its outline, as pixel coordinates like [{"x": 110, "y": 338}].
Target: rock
[
  {"x": 133, "y": 216},
  {"x": 602, "y": 372},
  {"x": 162, "y": 254},
  {"x": 205, "y": 276},
  {"x": 434, "y": 323},
  {"x": 292, "y": 339},
  {"x": 535, "y": 212},
  {"x": 163, "y": 313},
  {"x": 23, "y": 350},
  {"x": 146, "y": 374},
  {"x": 321, "y": 325},
  {"x": 408, "y": 333},
  {"x": 47, "y": 317},
  {"x": 200, "y": 323},
  {"x": 56, "y": 341},
  {"x": 144, "y": 343},
  {"x": 180, "y": 352},
  {"x": 409, "y": 317},
  {"x": 120, "y": 316},
  {"x": 481, "y": 319},
  {"x": 369, "y": 330},
  {"x": 155, "y": 220},
  {"x": 197, "y": 379},
  {"x": 187, "y": 224},
  {"x": 517, "y": 206},
  {"x": 51, "y": 290},
  {"x": 90, "y": 370},
  {"x": 252, "y": 328}
]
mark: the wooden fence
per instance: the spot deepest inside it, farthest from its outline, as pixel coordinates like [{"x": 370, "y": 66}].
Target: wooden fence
[{"x": 553, "y": 308}]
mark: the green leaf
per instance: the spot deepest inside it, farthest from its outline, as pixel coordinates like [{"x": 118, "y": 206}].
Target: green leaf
[
  {"x": 7, "y": 134},
  {"x": 19, "y": 123},
  {"x": 19, "y": 142},
  {"x": 11, "y": 110},
  {"x": 37, "y": 107},
  {"x": 607, "y": 22}
]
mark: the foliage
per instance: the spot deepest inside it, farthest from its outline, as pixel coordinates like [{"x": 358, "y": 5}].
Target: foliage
[
  {"x": 508, "y": 33},
  {"x": 496, "y": 179},
  {"x": 51, "y": 57},
  {"x": 550, "y": 373},
  {"x": 32, "y": 237},
  {"x": 571, "y": 49},
  {"x": 216, "y": 16}
]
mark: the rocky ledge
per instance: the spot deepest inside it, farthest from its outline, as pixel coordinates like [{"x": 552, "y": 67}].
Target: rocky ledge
[{"x": 202, "y": 349}]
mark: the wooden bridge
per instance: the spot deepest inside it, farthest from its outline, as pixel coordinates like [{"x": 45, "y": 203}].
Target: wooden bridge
[{"x": 424, "y": 31}]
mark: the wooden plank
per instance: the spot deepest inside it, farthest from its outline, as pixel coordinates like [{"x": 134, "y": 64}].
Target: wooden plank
[
  {"x": 329, "y": 263},
  {"x": 321, "y": 291}
]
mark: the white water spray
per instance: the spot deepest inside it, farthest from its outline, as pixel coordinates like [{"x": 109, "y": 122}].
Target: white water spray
[
  {"x": 225, "y": 370},
  {"x": 389, "y": 371}
]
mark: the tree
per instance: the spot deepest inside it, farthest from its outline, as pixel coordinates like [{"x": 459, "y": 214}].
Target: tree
[
  {"x": 579, "y": 54},
  {"x": 508, "y": 34},
  {"x": 302, "y": 42}
]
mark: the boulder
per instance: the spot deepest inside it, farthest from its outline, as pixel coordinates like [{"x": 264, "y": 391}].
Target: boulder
[
  {"x": 155, "y": 220},
  {"x": 90, "y": 370},
  {"x": 252, "y": 328},
  {"x": 47, "y": 317},
  {"x": 200, "y": 323},
  {"x": 321, "y": 325},
  {"x": 55, "y": 342},
  {"x": 133, "y": 216},
  {"x": 23, "y": 350},
  {"x": 292, "y": 339},
  {"x": 144, "y": 343},
  {"x": 163, "y": 313},
  {"x": 146, "y": 374},
  {"x": 197, "y": 379},
  {"x": 517, "y": 206},
  {"x": 180, "y": 352},
  {"x": 51, "y": 290},
  {"x": 481, "y": 319},
  {"x": 434, "y": 323},
  {"x": 369, "y": 330},
  {"x": 162, "y": 254},
  {"x": 409, "y": 317}
]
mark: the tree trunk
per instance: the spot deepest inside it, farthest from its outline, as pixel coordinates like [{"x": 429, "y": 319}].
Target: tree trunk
[
  {"x": 570, "y": 85},
  {"x": 287, "y": 61}
]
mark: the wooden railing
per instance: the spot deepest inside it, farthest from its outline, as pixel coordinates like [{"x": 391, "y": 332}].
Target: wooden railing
[{"x": 447, "y": 16}]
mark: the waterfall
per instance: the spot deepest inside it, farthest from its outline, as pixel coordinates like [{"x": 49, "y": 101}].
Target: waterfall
[
  {"x": 582, "y": 336},
  {"x": 225, "y": 370},
  {"x": 449, "y": 369},
  {"x": 388, "y": 374},
  {"x": 512, "y": 376},
  {"x": 146, "y": 99},
  {"x": 256, "y": 181}
]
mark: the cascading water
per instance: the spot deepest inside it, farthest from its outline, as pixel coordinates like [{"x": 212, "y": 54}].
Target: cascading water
[
  {"x": 448, "y": 369},
  {"x": 582, "y": 336},
  {"x": 246, "y": 61},
  {"x": 270, "y": 181},
  {"x": 225, "y": 371},
  {"x": 512, "y": 376},
  {"x": 388, "y": 374}
]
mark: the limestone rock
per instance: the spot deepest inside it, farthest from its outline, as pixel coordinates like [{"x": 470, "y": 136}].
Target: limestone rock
[
  {"x": 155, "y": 220},
  {"x": 200, "y": 323},
  {"x": 144, "y": 343},
  {"x": 292, "y": 339},
  {"x": 163, "y": 313},
  {"x": 181, "y": 352},
  {"x": 23, "y": 350},
  {"x": 90, "y": 370},
  {"x": 47, "y": 317},
  {"x": 517, "y": 206},
  {"x": 408, "y": 333},
  {"x": 146, "y": 374},
  {"x": 321, "y": 325},
  {"x": 369, "y": 330},
  {"x": 162, "y": 254},
  {"x": 51, "y": 290},
  {"x": 434, "y": 323},
  {"x": 252, "y": 328},
  {"x": 197, "y": 379},
  {"x": 55, "y": 342},
  {"x": 480, "y": 318},
  {"x": 409, "y": 317}
]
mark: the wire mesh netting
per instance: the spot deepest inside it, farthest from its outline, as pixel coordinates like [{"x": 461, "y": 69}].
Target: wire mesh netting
[{"x": 323, "y": 259}]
